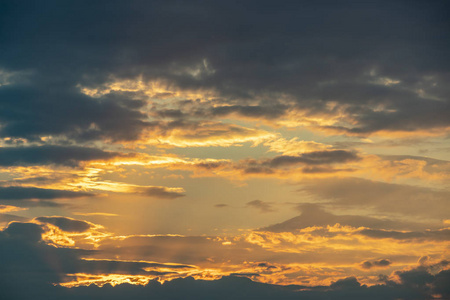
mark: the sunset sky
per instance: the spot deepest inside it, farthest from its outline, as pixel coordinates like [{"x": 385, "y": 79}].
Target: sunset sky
[{"x": 224, "y": 149}]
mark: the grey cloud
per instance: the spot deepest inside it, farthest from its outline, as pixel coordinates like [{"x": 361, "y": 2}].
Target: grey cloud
[
  {"x": 24, "y": 193},
  {"x": 50, "y": 154},
  {"x": 220, "y": 205},
  {"x": 30, "y": 113},
  {"x": 315, "y": 215},
  {"x": 315, "y": 158},
  {"x": 66, "y": 224},
  {"x": 6, "y": 218},
  {"x": 415, "y": 285},
  {"x": 436, "y": 235},
  {"x": 381, "y": 263},
  {"x": 262, "y": 206},
  {"x": 26, "y": 231},
  {"x": 25, "y": 256},
  {"x": 266, "y": 53},
  {"x": 160, "y": 192},
  {"x": 270, "y": 112},
  {"x": 24, "y": 260}
]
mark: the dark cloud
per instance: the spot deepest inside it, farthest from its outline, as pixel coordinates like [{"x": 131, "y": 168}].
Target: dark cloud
[
  {"x": 381, "y": 263},
  {"x": 66, "y": 224},
  {"x": 26, "y": 259},
  {"x": 373, "y": 66},
  {"x": 263, "y": 206},
  {"x": 161, "y": 192},
  {"x": 240, "y": 287},
  {"x": 384, "y": 64},
  {"x": 309, "y": 162},
  {"x": 26, "y": 231},
  {"x": 48, "y": 154},
  {"x": 25, "y": 193},
  {"x": 315, "y": 158},
  {"x": 30, "y": 113}
]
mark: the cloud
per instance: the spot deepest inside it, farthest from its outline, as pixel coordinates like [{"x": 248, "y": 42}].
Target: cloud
[
  {"x": 182, "y": 133},
  {"x": 7, "y": 218},
  {"x": 381, "y": 263},
  {"x": 315, "y": 215},
  {"x": 263, "y": 206},
  {"x": 26, "y": 231},
  {"x": 283, "y": 166},
  {"x": 294, "y": 146},
  {"x": 315, "y": 158},
  {"x": 302, "y": 65},
  {"x": 161, "y": 192},
  {"x": 26, "y": 193},
  {"x": 67, "y": 113},
  {"x": 25, "y": 256},
  {"x": 102, "y": 214},
  {"x": 66, "y": 224},
  {"x": 221, "y": 205},
  {"x": 437, "y": 235},
  {"x": 197, "y": 74},
  {"x": 50, "y": 154},
  {"x": 9, "y": 208},
  {"x": 383, "y": 197}
]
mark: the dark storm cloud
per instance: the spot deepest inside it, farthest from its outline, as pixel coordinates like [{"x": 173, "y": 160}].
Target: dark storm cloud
[
  {"x": 30, "y": 112},
  {"x": 49, "y": 154},
  {"x": 26, "y": 193},
  {"x": 66, "y": 224},
  {"x": 384, "y": 63}
]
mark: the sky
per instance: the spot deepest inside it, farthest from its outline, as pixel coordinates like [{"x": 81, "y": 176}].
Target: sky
[{"x": 224, "y": 149}]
